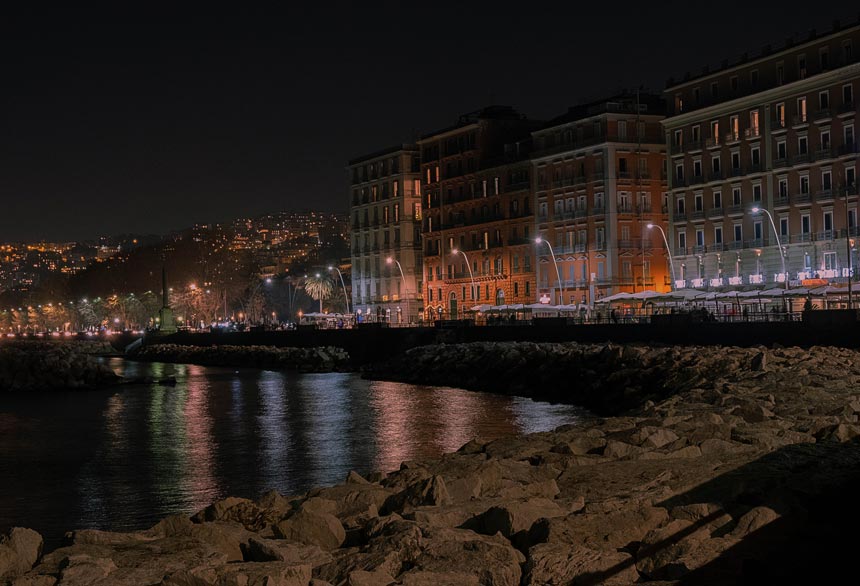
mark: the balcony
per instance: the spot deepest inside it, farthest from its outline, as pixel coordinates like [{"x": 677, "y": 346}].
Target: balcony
[
  {"x": 697, "y": 179},
  {"x": 847, "y": 108},
  {"x": 752, "y": 132},
  {"x": 825, "y": 235},
  {"x": 715, "y": 176},
  {"x": 781, "y": 201},
  {"x": 713, "y": 143},
  {"x": 825, "y": 153},
  {"x": 597, "y": 211},
  {"x": 801, "y": 159},
  {"x": 823, "y": 115},
  {"x": 823, "y": 196},
  {"x": 848, "y": 149},
  {"x": 799, "y": 120},
  {"x": 733, "y": 136},
  {"x": 778, "y": 123},
  {"x": 697, "y": 215},
  {"x": 780, "y": 162},
  {"x": 803, "y": 198},
  {"x": 736, "y": 210},
  {"x": 625, "y": 208},
  {"x": 715, "y": 212}
]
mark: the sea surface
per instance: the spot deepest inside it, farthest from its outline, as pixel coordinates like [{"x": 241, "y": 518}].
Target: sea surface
[{"x": 123, "y": 458}]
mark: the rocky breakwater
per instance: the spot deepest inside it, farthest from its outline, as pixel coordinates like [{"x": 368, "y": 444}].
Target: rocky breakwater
[
  {"x": 317, "y": 359},
  {"x": 40, "y": 366},
  {"x": 737, "y": 479},
  {"x": 606, "y": 378}
]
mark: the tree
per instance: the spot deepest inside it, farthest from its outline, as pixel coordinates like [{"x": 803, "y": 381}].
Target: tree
[{"x": 319, "y": 287}]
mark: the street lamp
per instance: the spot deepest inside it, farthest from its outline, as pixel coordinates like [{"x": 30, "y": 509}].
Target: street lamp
[
  {"x": 455, "y": 252},
  {"x": 392, "y": 260},
  {"x": 539, "y": 240},
  {"x": 668, "y": 252},
  {"x": 756, "y": 210},
  {"x": 342, "y": 285},
  {"x": 318, "y": 276}
]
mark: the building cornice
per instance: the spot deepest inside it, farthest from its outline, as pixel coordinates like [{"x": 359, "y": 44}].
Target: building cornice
[
  {"x": 784, "y": 91},
  {"x": 764, "y": 58}
]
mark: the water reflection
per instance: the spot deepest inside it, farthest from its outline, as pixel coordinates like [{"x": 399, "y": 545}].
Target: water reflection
[{"x": 123, "y": 458}]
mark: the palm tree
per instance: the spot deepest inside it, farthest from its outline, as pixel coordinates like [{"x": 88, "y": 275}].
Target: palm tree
[{"x": 319, "y": 287}]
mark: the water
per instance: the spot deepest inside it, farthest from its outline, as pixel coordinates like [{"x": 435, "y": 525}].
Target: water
[{"x": 123, "y": 458}]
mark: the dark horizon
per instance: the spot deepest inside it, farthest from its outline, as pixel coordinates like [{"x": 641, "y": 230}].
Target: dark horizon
[{"x": 145, "y": 127}]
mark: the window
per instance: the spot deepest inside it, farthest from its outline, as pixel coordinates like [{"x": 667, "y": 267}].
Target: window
[
  {"x": 718, "y": 235},
  {"x": 696, "y": 133},
  {"x": 804, "y": 184},
  {"x": 695, "y": 95},
  {"x": 824, "y": 58},
  {"x": 678, "y": 138},
  {"x": 850, "y": 176},
  {"x": 780, "y": 73},
  {"x": 826, "y": 180},
  {"x": 828, "y": 221},
  {"x": 830, "y": 261},
  {"x": 736, "y": 196},
  {"x": 700, "y": 237},
  {"x": 757, "y": 231},
  {"x": 783, "y": 187},
  {"x": 697, "y": 201},
  {"x": 754, "y": 123},
  {"x": 825, "y": 140},
  {"x": 697, "y": 168},
  {"x": 496, "y": 185},
  {"x": 622, "y": 129},
  {"x": 681, "y": 205},
  {"x": 733, "y": 83},
  {"x": 802, "y": 145},
  {"x": 780, "y": 115},
  {"x": 757, "y": 192},
  {"x": 848, "y": 134},
  {"x": 801, "y": 109},
  {"x": 755, "y": 157},
  {"x": 805, "y": 225},
  {"x": 847, "y": 94},
  {"x": 734, "y": 130},
  {"x": 715, "y": 166},
  {"x": 801, "y": 66},
  {"x": 824, "y": 100},
  {"x": 738, "y": 230},
  {"x": 736, "y": 161},
  {"x": 781, "y": 152},
  {"x": 679, "y": 171},
  {"x": 682, "y": 241},
  {"x": 783, "y": 227},
  {"x": 846, "y": 51},
  {"x": 715, "y": 131}
]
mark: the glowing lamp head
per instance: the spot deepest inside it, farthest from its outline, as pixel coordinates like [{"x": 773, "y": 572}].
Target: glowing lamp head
[
  {"x": 389, "y": 260},
  {"x": 268, "y": 280},
  {"x": 538, "y": 240},
  {"x": 649, "y": 226},
  {"x": 331, "y": 268},
  {"x": 756, "y": 210},
  {"x": 318, "y": 275},
  {"x": 454, "y": 251}
]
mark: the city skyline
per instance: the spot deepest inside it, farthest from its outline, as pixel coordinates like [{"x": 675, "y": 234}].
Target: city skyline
[{"x": 114, "y": 129}]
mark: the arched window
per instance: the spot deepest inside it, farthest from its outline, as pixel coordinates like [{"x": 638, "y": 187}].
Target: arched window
[{"x": 500, "y": 297}]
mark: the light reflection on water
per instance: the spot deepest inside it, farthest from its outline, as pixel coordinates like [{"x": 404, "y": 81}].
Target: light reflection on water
[{"x": 125, "y": 457}]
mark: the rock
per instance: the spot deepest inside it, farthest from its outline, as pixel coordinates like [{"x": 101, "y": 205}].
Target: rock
[
  {"x": 82, "y": 570},
  {"x": 597, "y": 530},
  {"x": 375, "y": 578},
  {"x": 355, "y": 478},
  {"x": 661, "y": 547},
  {"x": 259, "y": 549},
  {"x": 621, "y": 450},
  {"x": 559, "y": 563},
  {"x": 20, "y": 549},
  {"x": 319, "y": 529},
  {"x": 512, "y": 517},
  {"x": 421, "y": 578},
  {"x": 753, "y": 520},
  {"x": 431, "y": 491}
]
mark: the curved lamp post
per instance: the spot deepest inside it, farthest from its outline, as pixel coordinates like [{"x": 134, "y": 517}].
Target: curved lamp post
[
  {"x": 455, "y": 252},
  {"x": 539, "y": 240},
  {"x": 756, "y": 210},
  {"x": 392, "y": 260},
  {"x": 668, "y": 252},
  {"x": 342, "y": 284}
]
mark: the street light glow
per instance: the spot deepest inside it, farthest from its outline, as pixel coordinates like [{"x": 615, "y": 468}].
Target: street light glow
[
  {"x": 649, "y": 226},
  {"x": 756, "y": 210},
  {"x": 389, "y": 260},
  {"x": 538, "y": 240}
]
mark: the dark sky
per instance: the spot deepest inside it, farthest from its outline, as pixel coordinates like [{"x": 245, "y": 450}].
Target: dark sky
[{"x": 115, "y": 123}]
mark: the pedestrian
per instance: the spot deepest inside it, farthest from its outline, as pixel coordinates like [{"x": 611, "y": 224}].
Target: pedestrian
[
  {"x": 745, "y": 313},
  {"x": 614, "y": 315}
]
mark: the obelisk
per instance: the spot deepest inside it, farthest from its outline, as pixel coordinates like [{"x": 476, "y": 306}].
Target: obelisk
[{"x": 167, "y": 325}]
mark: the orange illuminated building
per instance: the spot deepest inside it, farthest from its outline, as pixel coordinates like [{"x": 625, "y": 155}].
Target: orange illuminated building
[
  {"x": 599, "y": 181},
  {"x": 478, "y": 227}
]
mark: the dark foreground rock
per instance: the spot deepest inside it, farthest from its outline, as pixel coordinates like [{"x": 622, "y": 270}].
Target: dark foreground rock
[
  {"x": 747, "y": 476},
  {"x": 44, "y": 366},
  {"x": 320, "y": 359}
]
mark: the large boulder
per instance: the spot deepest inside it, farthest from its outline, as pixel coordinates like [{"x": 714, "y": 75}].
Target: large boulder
[
  {"x": 559, "y": 563},
  {"x": 20, "y": 549},
  {"x": 320, "y": 529}
]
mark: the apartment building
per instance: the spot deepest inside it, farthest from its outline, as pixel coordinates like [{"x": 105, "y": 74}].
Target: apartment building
[
  {"x": 600, "y": 181},
  {"x": 478, "y": 222},
  {"x": 385, "y": 220},
  {"x": 763, "y": 165}
]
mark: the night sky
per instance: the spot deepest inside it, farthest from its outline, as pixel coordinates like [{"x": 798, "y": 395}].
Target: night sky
[{"x": 149, "y": 122}]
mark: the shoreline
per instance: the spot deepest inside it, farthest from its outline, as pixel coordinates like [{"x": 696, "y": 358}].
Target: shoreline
[{"x": 685, "y": 486}]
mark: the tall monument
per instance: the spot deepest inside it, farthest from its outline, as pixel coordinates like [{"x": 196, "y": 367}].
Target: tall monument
[{"x": 167, "y": 325}]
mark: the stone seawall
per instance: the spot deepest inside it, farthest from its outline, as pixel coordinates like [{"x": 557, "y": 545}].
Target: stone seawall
[
  {"x": 319, "y": 359},
  {"x": 42, "y": 366},
  {"x": 747, "y": 473}
]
